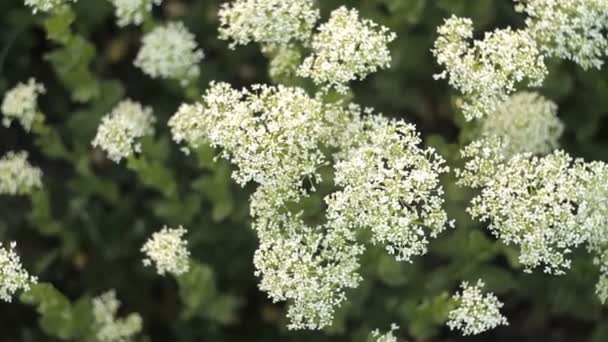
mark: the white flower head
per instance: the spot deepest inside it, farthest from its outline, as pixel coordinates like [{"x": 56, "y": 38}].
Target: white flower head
[
  {"x": 168, "y": 251},
  {"x": 108, "y": 327},
  {"x": 45, "y": 5},
  {"x": 12, "y": 275},
  {"x": 17, "y": 175},
  {"x": 391, "y": 186},
  {"x": 21, "y": 103},
  {"x": 386, "y": 337},
  {"x": 120, "y": 130},
  {"x": 488, "y": 70},
  {"x": 132, "y": 11},
  {"x": 527, "y": 122},
  {"x": 347, "y": 48},
  {"x": 170, "y": 52},
  {"x": 537, "y": 203},
  {"x": 267, "y": 22},
  {"x": 569, "y": 29},
  {"x": 476, "y": 312}
]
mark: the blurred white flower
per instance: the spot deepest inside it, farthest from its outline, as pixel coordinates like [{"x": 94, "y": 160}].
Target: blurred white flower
[
  {"x": 12, "y": 275},
  {"x": 108, "y": 327},
  {"x": 132, "y": 11},
  {"x": 45, "y": 5},
  {"x": 347, "y": 48},
  {"x": 476, "y": 312},
  {"x": 21, "y": 103},
  {"x": 386, "y": 337},
  {"x": 170, "y": 52},
  {"x": 17, "y": 175},
  {"x": 120, "y": 130},
  {"x": 168, "y": 251}
]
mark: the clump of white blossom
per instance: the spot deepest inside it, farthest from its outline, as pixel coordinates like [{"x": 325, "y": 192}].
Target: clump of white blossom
[
  {"x": 541, "y": 204},
  {"x": 486, "y": 71},
  {"x": 347, "y": 48},
  {"x": 45, "y": 5},
  {"x": 569, "y": 29},
  {"x": 476, "y": 312},
  {"x": 275, "y": 135},
  {"x": 120, "y": 130},
  {"x": 527, "y": 122},
  {"x": 170, "y": 52},
  {"x": 21, "y": 103},
  {"x": 12, "y": 275},
  {"x": 168, "y": 251},
  {"x": 271, "y": 23},
  {"x": 132, "y": 11},
  {"x": 284, "y": 63},
  {"x": 386, "y": 337},
  {"x": 108, "y": 327},
  {"x": 391, "y": 185},
  {"x": 17, "y": 175}
]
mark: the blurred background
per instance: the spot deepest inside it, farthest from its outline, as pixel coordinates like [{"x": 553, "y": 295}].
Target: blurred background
[{"x": 83, "y": 233}]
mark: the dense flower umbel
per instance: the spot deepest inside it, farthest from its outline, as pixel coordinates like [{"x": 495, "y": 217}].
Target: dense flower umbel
[
  {"x": 386, "y": 337},
  {"x": 347, "y": 48},
  {"x": 12, "y": 275},
  {"x": 487, "y": 70},
  {"x": 391, "y": 186},
  {"x": 21, "y": 103},
  {"x": 168, "y": 251},
  {"x": 540, "y": 204},
  {"x": 527, "y": 122},
  {"x": 569, "y": 29},
  {"x": 271, "y": 23},
  {"x": 17, "y": 175},
  {"x": 119, "y": 132},
  {"x": 132, "y": 11},
  {"x": 108, "y": 327},
  {"x": 476, "y": 312},
  {"x": 45, "y": 5},
  {"x": 171, "y": 52}
]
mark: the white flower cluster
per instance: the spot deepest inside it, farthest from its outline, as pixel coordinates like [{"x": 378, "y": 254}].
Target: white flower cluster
[
  {"x": 17, "y": 175},
  {"x": 392, "y": 186},
  {"x": 476, "y": 312},
  {"x": 386, "y": 337},
  {"x": 171, "y": 52},
  {"x": 168, "y": 251},
  {"x": 569, "y": 29},
  {"x": 347, "y": 48},
  {"x": 275, "y": 135},
  {"x": 120, "y": 130},
  {"x": 21, "y": 103},
  {"x": 527, "y": 122},
  {"x": 542, "y": 204},
  {"x": 132, "y": 11},
  {"x": 487, "y": 70},
  {"x": 45, "y": 5},
  {"x": 108, "y": 327},
  {"x": 270, "y": 23},
  {"x": 12, "y": 275}
]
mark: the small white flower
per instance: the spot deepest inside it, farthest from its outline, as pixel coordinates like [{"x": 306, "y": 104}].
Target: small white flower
[
  {"x": 569, "y": 29},
  {"x": 170, "y": 52},
  {"x": 347, "y": 48},
  {"x": 108, "y": 327},
  {"x": 132, "y": 11},
  {"x": 21, "y": 103},
  {"x": 120, "y": 130},
  {"x": 45, "y": 5},
  {"x": 168, "y": 251},
  {"x": 12, "y": 275},
  {"x": 475, "y": 313},
  {"x": 386, "y": 337},
  {"x": 17, "y": 175},
  {"x": 488, "y": 70},
  {"x": 527, "y": 122},
  {"x": 267, "y": 22}
]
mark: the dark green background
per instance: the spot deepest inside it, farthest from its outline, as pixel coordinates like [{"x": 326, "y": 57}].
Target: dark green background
[{"x": 84, "y": 232}]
